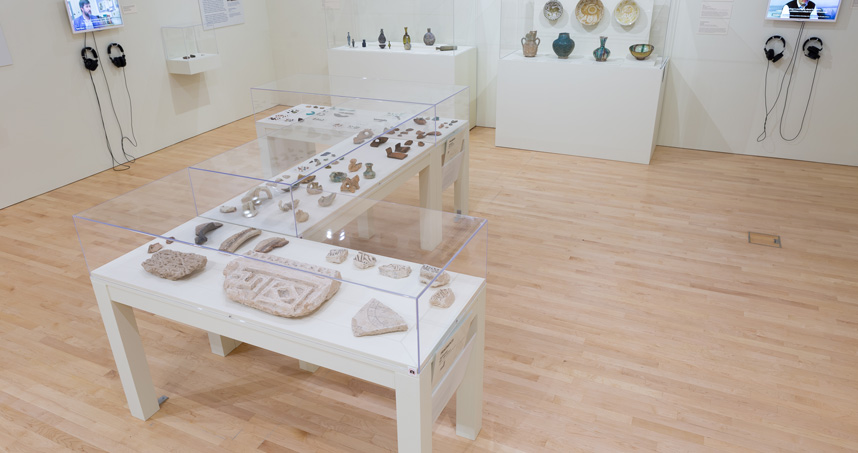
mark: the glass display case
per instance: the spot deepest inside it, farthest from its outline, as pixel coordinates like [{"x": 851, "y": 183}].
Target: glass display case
[
  {"x": 636, "y": 31},
  {"x": 369, "y": 285},
  {"x": 190, "y": 49},
  {"x": 432, "y": 26}
]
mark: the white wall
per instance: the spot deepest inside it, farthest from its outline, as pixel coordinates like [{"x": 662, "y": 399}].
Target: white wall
[
  {"x": 50, "y": 131},
  {"x": 714, "y": 99}
]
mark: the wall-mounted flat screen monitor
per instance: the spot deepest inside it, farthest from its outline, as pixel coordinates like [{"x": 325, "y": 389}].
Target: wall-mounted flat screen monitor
[
  {"x": 803, "y": 10},
  {"x": 93, "y": 15}
]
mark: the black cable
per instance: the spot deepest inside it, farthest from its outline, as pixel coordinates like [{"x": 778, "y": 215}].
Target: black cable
[
  {"x": 128, "y": 157},
  {"x": 117, "y": 166},
  {"x": 131, "y": 107},
  {"x": 791, "y": 63},
  {"x": 806, "y": 107}
]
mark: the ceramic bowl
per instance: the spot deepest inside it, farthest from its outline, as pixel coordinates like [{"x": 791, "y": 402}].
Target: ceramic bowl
[
  {"x": 627, "y": 12},
  {"x": 552, "y": 10},
  {"x": 641, "y": 51},
  {"x": 589, "y": 12}
]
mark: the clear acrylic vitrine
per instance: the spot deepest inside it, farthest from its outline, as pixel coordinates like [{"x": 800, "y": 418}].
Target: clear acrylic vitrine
[
  {"x": 190, "y": 49},
  {"x": 449, "y": 23},
  {"x": 625, "y": 23},
  {"x": 374, "y": 267}
]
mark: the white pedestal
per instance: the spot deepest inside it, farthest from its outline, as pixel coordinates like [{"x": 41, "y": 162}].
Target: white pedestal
[
  {"x": 580, "y": 107},
  {"x": 420, "y": 64},
  {"x": 196, "y": 65}
]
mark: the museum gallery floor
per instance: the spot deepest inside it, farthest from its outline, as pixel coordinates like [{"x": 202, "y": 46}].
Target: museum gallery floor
[{"x": 626, "y": 310}]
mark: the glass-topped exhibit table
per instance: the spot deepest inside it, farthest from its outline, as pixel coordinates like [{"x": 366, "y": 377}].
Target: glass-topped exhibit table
[
  {"x": 375, "y": 304},
  {"x": 320, "y": 126}
]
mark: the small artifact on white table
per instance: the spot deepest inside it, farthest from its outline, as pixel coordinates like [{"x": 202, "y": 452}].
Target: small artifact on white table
[
  {"x": 269, "y": 286},
  {"x": 337, "y": 256},
  {"x": 364, "y": 260},
  {"x": 203, "y": 229},
  {"x": 174, "y": 265},
  {"x": 270, "y": 244},
  {"x": 301, "y": 216},
  {"x": 248, "y": 209},
  {"x": 354, "y": 165},
  {"x": 327, "y": 201},
  {"x": 375, "y": 318},
  {"x": 363, "y": 136},
  {"x": 427, "y": 273},
  {"x": 286, "y": 207},
  {"x": 396, "y": 271},
  {"x": 155, "y": 247},
  {"x": 443, "y": 298},
  {"x": 227, "y": 209},
  {"x": 314, "y": 188},
  {"x": 254, "y": 195},
  {"x": 232, "y": 243}
]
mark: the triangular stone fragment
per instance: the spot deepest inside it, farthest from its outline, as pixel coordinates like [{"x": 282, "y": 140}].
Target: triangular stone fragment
[{"x": 375, "y": 318}]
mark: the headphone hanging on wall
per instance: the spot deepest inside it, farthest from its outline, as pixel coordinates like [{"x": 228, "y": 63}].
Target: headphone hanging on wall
[
  {"x": 770, "y": 51},
  {"x": 118, "y": 61},
  {"x": 89, "y": 63},
  {"x": 811, "y": 51}
]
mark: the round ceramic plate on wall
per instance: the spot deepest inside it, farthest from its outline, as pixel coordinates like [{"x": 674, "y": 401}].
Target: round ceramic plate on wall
[
  {"x": 627, "y": 12},
  {"x": 589, "y": 12},
  {"x": 553, "y": 10}
]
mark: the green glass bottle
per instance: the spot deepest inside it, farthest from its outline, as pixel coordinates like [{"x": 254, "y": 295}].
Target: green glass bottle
[{"x": 406, "y": 40}]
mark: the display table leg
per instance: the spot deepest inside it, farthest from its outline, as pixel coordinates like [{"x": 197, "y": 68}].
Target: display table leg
[
  {"x": 121, "y": 327},
  {"x": 222, "y": 345},
  {"x": 430, "y": 200},
  {"x": 414, "y": 412},
  {"x": 307, "y": 366},
  {"x": 461, "y": 187},
  {"x": 364, "y": 222},
  {"x": 469, "y": 396}
]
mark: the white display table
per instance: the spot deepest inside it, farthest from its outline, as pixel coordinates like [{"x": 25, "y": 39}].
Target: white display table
[
  {"x": 420, "y": 64},
  {"x": 580, "y": 107}
]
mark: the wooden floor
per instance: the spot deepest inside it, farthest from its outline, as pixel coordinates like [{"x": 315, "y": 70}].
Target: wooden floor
[{"x": 627, "y": 312}]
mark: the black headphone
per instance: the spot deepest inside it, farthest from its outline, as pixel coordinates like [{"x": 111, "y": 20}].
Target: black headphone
[
  {"x": 89, "y": 63},
  {"x": 770, "y": 52},
  {"x": 812, "y": 52},
  {"x": 119, "y": 61}
]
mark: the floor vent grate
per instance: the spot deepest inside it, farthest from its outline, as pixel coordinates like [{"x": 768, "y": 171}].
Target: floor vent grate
[{"x": 768, "y": 240}]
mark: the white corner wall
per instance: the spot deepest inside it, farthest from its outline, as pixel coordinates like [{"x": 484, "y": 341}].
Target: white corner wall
[
  {"x": 50, "y": 131},
  {"x": 714, "y": 98}
]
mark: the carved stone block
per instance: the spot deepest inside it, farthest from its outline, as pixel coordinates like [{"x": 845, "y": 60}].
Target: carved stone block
[
  {"x": 427, "y": 273},
  {"x": 375, "y": 318},
  {"x": 443, "y": 298},
  {"x": 364, "y": 260},
  {"x": 396, "y": 271},
  {"x": 174, "y": 265},
  {"x": 337, "y": 256},
  {"x": 278, "y": 290}
]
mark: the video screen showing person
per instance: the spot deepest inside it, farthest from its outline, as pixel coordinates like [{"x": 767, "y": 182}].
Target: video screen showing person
[
  {"x": 93, "y": 15},
  {"x": 819, "y": 10}
]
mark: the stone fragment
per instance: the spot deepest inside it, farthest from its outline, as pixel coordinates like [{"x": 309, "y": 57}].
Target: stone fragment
[
  {"x": 375, "y": 318},
  {"x": 227, "y": 209},
  {"x": 364, "y": 260},
  {"x": 327, "y": 201},
  {"x": 301, "y": 216},
  {"x": 396, "y": 271},
  {"x": 363, "y": 136},
  {"x": 292, "y": 292},
  {"x": 420, "y": 121},
  {"x": 255, "y": 195},
  {"x": 174, "y": 265},
  {"x": 435, "y": 133},
  {"x": 378, "y": 142},
  {"x": 314, "y": 188},
  {"x": 155, "y": 247},
  {"x": 232, "y": 243},
  {"x": 421, "y": 144},
  {"x": 401, "y": 149},
  {"x": 350, "y": 184},
  {"x": 170, "y": 241},
  {"x": 427, "y": 273},
  {"x": 306, "y": 179},
  {"x": 337, "y": 256},
  {"x": 288, "y": 206},
  {"x": 203, "y": 229},
  {"x": 354, "y": 165},
  {"x": 393, "y": 155},
  {"x": 270, "y": 244},
  {"x": 443, "y": 298},
  {"x": 409, "y": 143}
]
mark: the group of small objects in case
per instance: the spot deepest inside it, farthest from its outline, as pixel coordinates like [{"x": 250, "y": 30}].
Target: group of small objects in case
[
  {"x": 193, "y": 55},
  {"x": 428, "y": 39},
  {"x": 589, "y": 13},
  {"x": 293, "y": 289}
]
